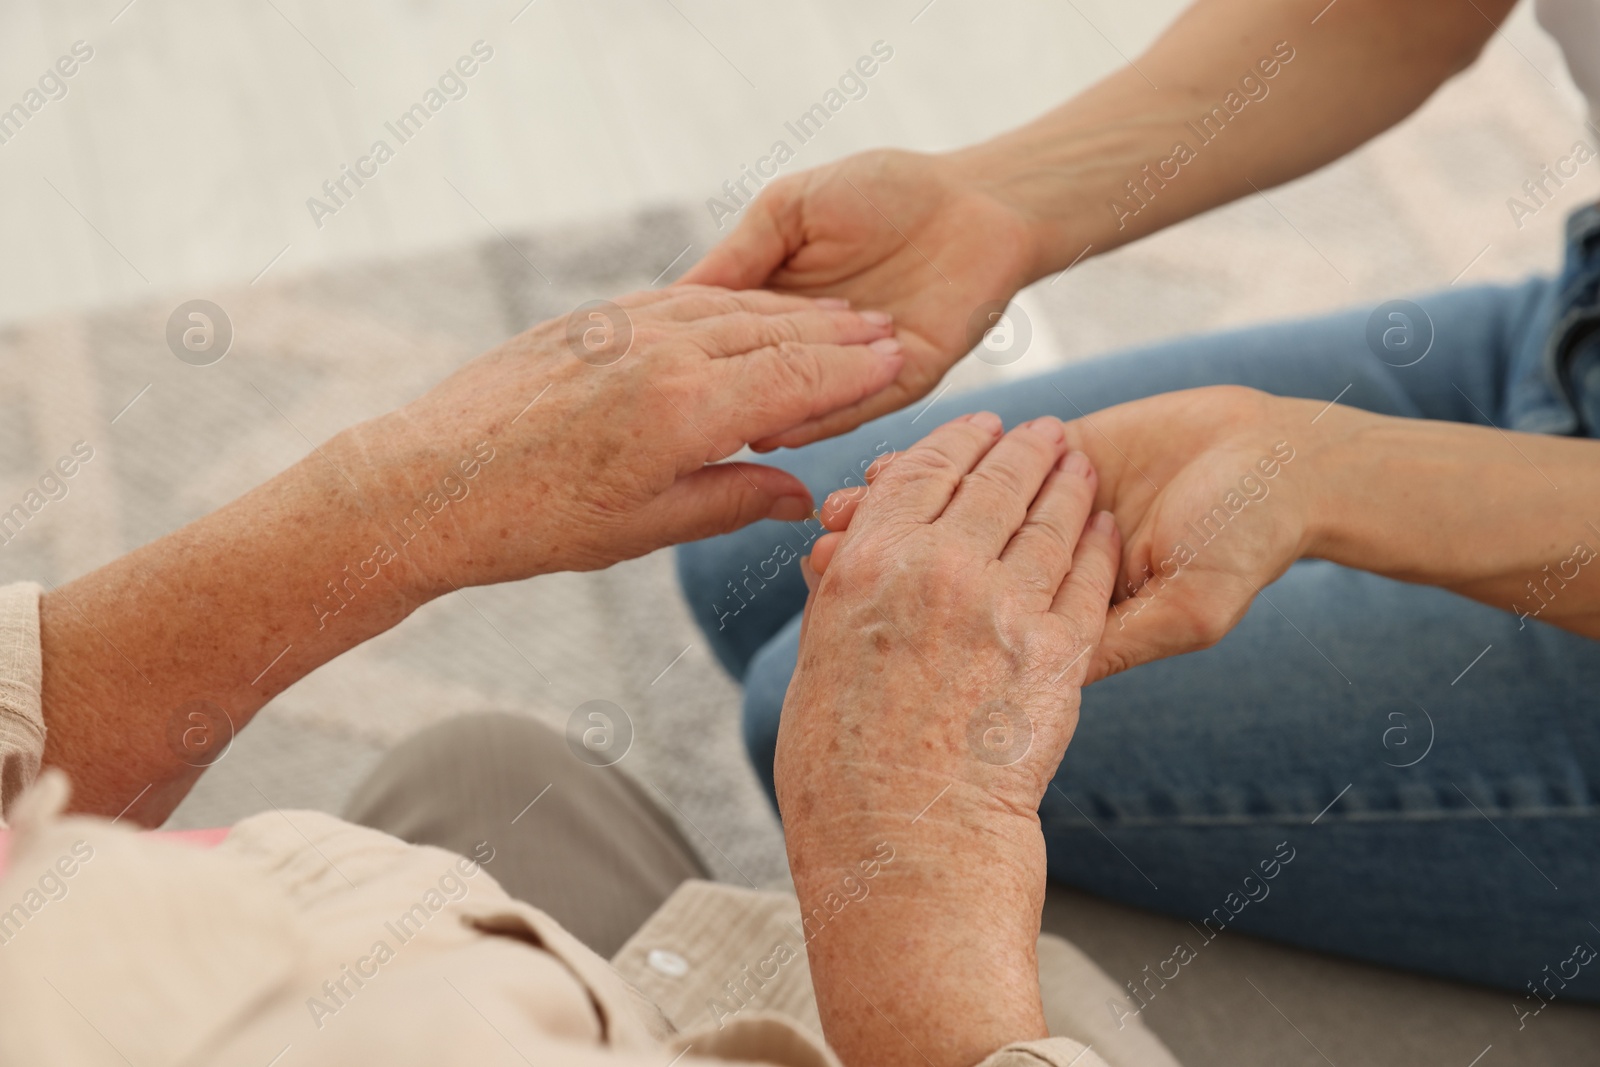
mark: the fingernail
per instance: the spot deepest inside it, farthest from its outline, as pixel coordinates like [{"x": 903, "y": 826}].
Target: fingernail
[
  {"x": 878, "y": 318},
  {"x": 1075, "y": 463},
  {"x": 986, "y": 420},
  {"x": 1105, "y": 522},
  {"x": 790, "y": 509},
  {"x": 833, "y": 302},
  {"x": 886, "y": 346},
  {"x": 1049, "y": 428}
]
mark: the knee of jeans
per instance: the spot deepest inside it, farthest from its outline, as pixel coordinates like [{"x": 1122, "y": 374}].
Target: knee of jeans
[
  {"x": 700, "y": 568},
  {"x": 761, "y": 742},
  {"x": 764, "y": 689}
]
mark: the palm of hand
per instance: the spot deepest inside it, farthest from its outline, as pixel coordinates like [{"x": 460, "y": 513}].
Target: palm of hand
[
  {"x": 888, "y": 231},
  {"x": 883, "y": 232},
  {"x": 1204, "y": 484}
]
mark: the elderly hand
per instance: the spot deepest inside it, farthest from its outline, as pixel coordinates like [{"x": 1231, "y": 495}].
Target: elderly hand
[
  {"x": 581, "y": 442},
  {"x": 937, "y": 687},
  {"x": 913, "y": 234},
  {"x": 588, "y": 440},
  {"x": 1212, "y": 488}
]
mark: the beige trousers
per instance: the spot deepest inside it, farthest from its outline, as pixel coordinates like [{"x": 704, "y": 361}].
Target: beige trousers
[{"x": 592, "y": 850}]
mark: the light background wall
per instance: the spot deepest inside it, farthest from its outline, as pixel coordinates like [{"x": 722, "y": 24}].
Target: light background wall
[{"x": 183, "y": 155}]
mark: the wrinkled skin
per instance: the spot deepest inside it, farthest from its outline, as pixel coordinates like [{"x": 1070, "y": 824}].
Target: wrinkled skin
[
  {"x": 611, "y": 461},
  {"x": 941, "y": 657},
  {"x": 1165, "y": 464}
]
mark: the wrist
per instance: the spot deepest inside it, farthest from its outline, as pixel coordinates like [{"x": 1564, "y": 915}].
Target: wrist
[
  {"x": 408, "y": 494},
  {"x": 358, "y": 577},
  {"x": 1042, "y": 202},
  {"x": 919, "y": 928},
  {"x": 1337, "y": 451},
  {"x": 1065, "y": 179},
  {"x": 953, "y": 849}
]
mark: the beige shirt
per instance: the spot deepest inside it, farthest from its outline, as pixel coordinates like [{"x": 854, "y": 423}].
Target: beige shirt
[{"x": 305, "y": 941}]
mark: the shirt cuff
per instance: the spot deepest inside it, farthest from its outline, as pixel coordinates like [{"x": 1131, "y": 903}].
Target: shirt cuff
[
  {"x": 1051, "y": 1052},
  {"x": 21, "y": 703}
]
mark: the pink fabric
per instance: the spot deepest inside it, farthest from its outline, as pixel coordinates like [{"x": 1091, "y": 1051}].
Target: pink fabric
[{"x": 199, "y": 838}]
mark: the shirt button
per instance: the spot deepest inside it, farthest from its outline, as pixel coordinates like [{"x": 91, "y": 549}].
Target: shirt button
[{"x": 668, "y": 963}]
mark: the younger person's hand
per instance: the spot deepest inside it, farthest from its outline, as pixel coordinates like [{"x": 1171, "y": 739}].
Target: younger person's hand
[
  {"x": 1212, "y": 488},
  {"x": 916, "y": 235}
]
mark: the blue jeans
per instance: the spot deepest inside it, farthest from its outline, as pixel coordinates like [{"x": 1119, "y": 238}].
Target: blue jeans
[{"x": 1427, "y": 763}]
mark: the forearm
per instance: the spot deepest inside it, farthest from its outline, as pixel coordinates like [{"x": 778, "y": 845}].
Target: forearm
[
  {"x": 1235, "y": 95},
  {"x": 928, "y": 714},
  {"x": 231, "y": 609},
  {"x": 1505, "y": 518},
  {"x": 468, "y": 485},
  {"x": 919, "y": 958}
]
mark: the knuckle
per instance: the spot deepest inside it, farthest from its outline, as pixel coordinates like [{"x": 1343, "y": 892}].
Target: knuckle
[
  {"x": 915, "y": 464},
  {"x": 776, "y": 328},
  {"x": 863, "y": 566},
  {"x": 722, "y": 302},
  {"x": 742, "y": 331},
  {"x": 727, "y": 301},
  {"x": 650, "y": 340},
  {"x": 879, "y": 465},
  {"x": 1205, "y": 628},
  {"x": 675, "y": 307},
  {"x": 1031, "y": 579},
  {"x": 892, "y": 565},
  {"x": 936, "y": 571},
  {"x": 1053, "y": 537},
  {"x": 698, "y": 302},
  {"x": 1236, "y": 397},
  {"x": 996, "y": 478},
  {"x": 640, "y": 301},
  {"x": 801, "y": 367},
  {"x": 840, "y": 499},
  {"x": 1235, "y": 393}
]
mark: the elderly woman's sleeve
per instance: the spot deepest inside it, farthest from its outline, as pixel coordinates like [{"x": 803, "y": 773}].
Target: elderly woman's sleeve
[
  {"x": 21, "y": 704},
  {"x": 1051, "y": 1052}
]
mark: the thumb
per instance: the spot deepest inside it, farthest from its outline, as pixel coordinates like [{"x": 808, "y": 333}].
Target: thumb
[
  {"x": 723, "y": 497},
  {"x": 1159, "y": 621},
  {"x": 758, "y": 245},
  {"x": 809, "y": 573}
]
